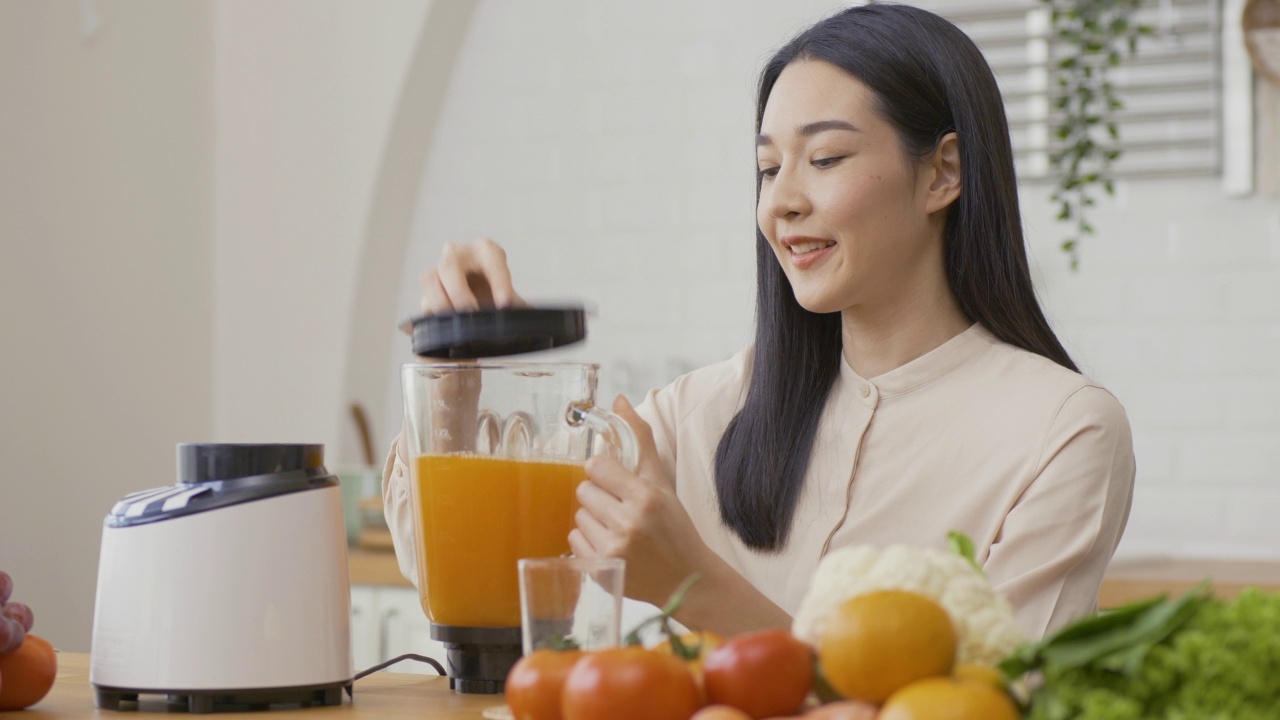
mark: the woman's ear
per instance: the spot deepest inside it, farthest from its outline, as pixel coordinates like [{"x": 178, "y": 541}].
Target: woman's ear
[{"x": 944, "y": 167}]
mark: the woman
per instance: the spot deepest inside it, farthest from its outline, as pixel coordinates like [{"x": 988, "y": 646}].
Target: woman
[{"x": 903, "y": 381}]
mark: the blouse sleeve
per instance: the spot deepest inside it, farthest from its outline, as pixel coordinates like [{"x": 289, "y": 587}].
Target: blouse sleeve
[
  {"x": 1055, "y": 543},
  {"x": 399, "y": 512},
  {"x": 659, "y": 411}
]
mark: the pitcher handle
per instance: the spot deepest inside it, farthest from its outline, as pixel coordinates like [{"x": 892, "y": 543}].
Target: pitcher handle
[{"x": 617, "y": 434}]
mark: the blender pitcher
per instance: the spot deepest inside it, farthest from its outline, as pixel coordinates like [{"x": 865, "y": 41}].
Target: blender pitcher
[{"x": 497, "y": 452}]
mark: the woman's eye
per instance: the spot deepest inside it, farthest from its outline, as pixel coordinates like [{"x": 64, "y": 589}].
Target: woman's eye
[
  {"x": 827, "y": 162},
  {"x": 767, "y": 173}
]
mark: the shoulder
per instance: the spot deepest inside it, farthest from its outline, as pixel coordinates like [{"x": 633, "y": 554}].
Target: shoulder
[
  {"x": 1024, "y": 376},
  {"x": 1066, "y": 405},
  {"x": 716, "y": 389},
  {"x": 1006, "y": 392}
]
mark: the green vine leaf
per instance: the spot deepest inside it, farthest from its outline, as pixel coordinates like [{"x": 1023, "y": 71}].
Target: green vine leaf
[{"x": 1093, "y": 38}]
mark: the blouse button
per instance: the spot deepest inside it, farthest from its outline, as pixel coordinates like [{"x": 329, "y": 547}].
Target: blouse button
[{"x": 865, "y": 390}]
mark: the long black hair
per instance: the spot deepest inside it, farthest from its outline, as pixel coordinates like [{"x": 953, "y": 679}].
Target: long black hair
[{"x": 929, "y": 79}]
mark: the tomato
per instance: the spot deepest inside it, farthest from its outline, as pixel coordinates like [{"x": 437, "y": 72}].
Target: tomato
[
  {"x": 720, "y": 712},
  {"x": 763, "y": 673},
  {"x": 29, "y": 672},
  {"x": 705, "y": 641},
  {"x": 536, "y": 682},
  {"x": 629, "y": 683}
]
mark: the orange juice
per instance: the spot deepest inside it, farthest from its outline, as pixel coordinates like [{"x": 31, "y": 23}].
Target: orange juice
[{"x": 478, "y": 516}]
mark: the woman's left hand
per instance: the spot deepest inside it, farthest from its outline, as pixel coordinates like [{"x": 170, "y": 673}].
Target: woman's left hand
[{"x": 637, "y": 517}]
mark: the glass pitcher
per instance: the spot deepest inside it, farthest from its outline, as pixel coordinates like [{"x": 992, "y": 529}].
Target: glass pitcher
[{"x": 497, "y": 451}]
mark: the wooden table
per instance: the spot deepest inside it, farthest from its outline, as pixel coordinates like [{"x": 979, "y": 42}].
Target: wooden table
[
  {"x": 375, "y": 567},
  {"x": 380, "y": 695},
  {"x": 1134, "y": 579}
]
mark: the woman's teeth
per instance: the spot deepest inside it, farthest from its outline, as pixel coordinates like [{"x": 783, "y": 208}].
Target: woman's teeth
[{"x": 802, "y": 248}]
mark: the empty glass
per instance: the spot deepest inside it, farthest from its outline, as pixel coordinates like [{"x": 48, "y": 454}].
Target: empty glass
[{"x": 570, "y": 602}]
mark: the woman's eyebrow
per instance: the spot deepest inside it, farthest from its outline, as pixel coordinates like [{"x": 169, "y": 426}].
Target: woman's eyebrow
[{"x": 813, "y": 128}]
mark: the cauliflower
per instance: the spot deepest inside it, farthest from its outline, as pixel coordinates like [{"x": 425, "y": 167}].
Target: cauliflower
[{"x": 984, "y": 621}]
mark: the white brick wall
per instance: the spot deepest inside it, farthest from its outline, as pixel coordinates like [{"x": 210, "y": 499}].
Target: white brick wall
[
  {"x": 608, "y": 146},
  {"x": 1177, "y": 310}
]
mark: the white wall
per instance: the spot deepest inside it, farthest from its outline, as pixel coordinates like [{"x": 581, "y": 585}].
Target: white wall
[
  {"x": 106, "y": 285},
  {"x": 608, "y": 146},
  {"x": 183, "y": 207},
  {"x": 304, "y": 97},
  {"x": 1177, "y": 310}
]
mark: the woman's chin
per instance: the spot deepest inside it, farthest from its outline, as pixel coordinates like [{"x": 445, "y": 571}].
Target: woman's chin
[{"x": 820, "y": 303}]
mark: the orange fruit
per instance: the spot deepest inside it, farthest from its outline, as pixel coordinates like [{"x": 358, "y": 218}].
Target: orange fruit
[
  {"x": 973, "y": 672},
  {"x": 844, "y": 710},
  {"x": 878, "y": 643},
  {"x": 28, "y": 673},
  {"x": 949, "y": 699}
]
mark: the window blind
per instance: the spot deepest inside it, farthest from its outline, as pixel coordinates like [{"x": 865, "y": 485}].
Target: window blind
[{"x": 1171, "y": 122}]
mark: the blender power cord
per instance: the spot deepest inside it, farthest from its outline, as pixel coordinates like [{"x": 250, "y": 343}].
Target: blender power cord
[{"x": 384, "y": 665}]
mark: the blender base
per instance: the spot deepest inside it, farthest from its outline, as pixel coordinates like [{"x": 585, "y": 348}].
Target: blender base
[{"x": 479, "y": 658}]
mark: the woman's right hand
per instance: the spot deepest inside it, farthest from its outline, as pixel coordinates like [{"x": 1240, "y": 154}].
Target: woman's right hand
[{"x": 469, "y": 277}]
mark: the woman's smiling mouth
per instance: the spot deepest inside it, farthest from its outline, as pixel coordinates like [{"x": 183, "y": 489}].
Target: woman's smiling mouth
[{"x": 807, "y": 251}]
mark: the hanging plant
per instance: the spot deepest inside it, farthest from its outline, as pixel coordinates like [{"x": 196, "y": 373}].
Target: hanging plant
[{"x": 1090, "y": 38}]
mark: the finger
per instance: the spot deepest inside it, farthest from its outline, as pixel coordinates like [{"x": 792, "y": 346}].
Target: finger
[
  {"x": 434, "y": 298},
  {"x": 596, "y": 534},
  {"x": 455, "y": 264},
  {"x": 579, "y": 545},
  {"x": 650, "y": 465},
  {"x": 492, "y": 260},
  {"x": 609, "y": 476},
  {"x": 601, "y": 503}
]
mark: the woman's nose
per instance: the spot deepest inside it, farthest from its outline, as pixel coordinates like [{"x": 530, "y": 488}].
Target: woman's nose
[{"x": 786, "y": 195}]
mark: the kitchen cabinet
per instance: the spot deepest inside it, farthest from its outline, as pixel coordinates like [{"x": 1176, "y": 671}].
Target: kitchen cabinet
[
  {"x": 386, "y": 618},
  {"x": 405, "y": 629},
  {"x": 387, "y": 622}
]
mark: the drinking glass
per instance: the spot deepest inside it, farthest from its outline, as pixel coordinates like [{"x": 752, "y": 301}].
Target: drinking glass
[{"x": 570, "y": 602}]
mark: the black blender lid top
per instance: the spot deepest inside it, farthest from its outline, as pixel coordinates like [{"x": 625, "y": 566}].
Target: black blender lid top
[
  {"x": 218, "y": 475},
  {"x": 497, "y": 332},
  {"x": 206, "y": 462}
]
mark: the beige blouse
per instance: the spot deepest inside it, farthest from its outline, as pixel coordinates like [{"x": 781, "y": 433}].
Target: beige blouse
[{"x": 1033, "y": 461}]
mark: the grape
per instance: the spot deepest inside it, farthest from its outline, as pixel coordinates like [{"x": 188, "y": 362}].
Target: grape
[
  {"x": 6, "y": 587},
  {"x": 11, "y": 635},
  {"x": 21, "y": 614}
]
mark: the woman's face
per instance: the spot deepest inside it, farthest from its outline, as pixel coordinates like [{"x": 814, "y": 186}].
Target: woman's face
[{"x": 847, "y": 213}]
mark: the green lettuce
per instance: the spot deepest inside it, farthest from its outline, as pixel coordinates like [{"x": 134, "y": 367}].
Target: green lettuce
[{"x": 1190, "y": 658}]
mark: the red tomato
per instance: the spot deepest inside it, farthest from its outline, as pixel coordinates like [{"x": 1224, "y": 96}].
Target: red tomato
[
  {"x": 720, "y": 712},
  {"x": 763, "y": 673},
  {"x": 705, "y": 641},
  {"x": 629, "y": 683},
  {"x": 29, "y": 672},
  {"x": 536, "y": 682}
]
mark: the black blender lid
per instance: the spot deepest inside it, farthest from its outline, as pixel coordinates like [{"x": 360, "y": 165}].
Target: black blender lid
[
  {"x": 206, "y": 462},
  {"x": 212, "y": 476},
  {"x": 497, "y": 332}
]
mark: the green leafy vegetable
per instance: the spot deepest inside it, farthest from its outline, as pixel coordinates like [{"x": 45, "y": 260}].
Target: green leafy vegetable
[
  {"x": 1189, "y": 658},
  {"x": 961, "y": 545},
  {"x": 663, "y": 620}
]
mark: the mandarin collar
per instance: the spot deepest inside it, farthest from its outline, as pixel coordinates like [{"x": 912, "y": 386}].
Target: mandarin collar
[{"x": 925, "y": 369}]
